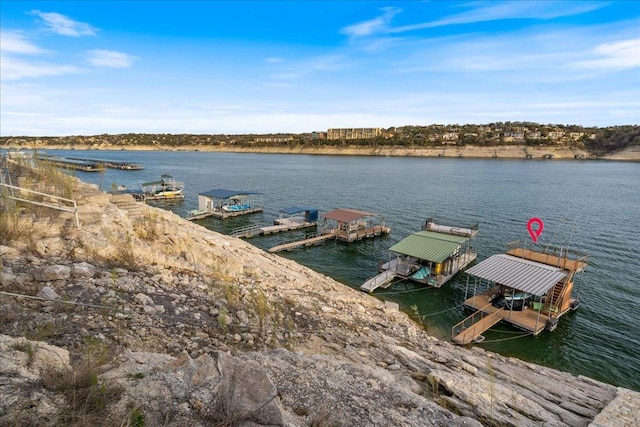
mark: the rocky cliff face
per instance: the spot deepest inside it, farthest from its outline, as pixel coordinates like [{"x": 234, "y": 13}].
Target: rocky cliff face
[{"x": 142, "y": 318}]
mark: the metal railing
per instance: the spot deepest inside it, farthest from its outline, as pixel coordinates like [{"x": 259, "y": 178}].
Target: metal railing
[{"x": 9, "y": 192}]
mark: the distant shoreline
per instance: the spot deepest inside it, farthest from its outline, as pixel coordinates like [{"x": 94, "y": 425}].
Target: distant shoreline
[{"x": 467, "y": 151}]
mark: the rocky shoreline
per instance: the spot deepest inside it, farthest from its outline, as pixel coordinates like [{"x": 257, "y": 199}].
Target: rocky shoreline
[
  {"x": 467, "y": 151},
  {"x": 173, "y": 324}
]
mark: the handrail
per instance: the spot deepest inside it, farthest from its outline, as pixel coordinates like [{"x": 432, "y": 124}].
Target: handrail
[
  {"x": 73, "y": 209},
  {"x": 246, "y": 228},
  {"x": 472, "y": 322}
]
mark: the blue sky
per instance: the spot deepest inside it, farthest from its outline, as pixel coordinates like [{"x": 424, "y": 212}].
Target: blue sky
[{"x": 94, "y": 67}]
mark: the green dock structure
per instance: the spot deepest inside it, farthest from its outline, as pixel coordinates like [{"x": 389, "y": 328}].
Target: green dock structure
[{"x": 431, "y": 256}]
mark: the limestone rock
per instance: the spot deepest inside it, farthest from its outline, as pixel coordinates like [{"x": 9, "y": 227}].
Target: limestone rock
[{"x": 51, "y": 273}]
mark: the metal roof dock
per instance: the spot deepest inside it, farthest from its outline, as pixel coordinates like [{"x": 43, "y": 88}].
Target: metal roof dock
[
  {"x": 431, "y": 256},
  {"x": 222, "y": 203}
]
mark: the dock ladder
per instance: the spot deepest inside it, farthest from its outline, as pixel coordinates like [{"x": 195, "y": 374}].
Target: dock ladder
[{"x": 473, "y": 326}]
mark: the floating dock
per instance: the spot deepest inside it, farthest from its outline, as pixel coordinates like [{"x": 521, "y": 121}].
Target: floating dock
[
  {"x": 431, "y": 256},
  {"x": 346, "y": 225},
  {"x": 74, "y": 165},
  {"x": 222, "y": 204},
  {"x": 293, "y": 218},
  {"x": 165, "y": 189},
  {"x": 110, "y": 163},
  {"x": 309, "y": 241},
  {"x": 526, "y": 288}
]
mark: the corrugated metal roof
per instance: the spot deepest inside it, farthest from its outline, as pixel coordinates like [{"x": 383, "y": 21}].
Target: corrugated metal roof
[
  {"x": 429, "y": 245},
  {"x": 346, "y": 215},
  {"x": 220, "y": 193},
  {"x": 517, "y": 273}
]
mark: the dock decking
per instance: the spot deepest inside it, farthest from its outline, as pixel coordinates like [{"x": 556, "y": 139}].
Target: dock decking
[
  {"x": 284, "y": 224},
  {"x": 306, "y": 242},
  {"x": 221, "y": 214},
  {"x": 528, "y": 319}
]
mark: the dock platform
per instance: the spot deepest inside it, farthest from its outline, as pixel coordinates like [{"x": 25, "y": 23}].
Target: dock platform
[
  {"x": 382, "y": 280},
  {"x": 311, "y": 241},
  {"x": 284, "y": 224},
  {"x": 222, "y": 214}
]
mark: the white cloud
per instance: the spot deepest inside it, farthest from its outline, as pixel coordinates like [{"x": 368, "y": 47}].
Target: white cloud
[
  {"x": 274, "y": 60},
  {"x": 63, "y": 25},
  {"x": 15, "y": 69},
  {"x": 16, "y": 42},
  {"x": 622, "y": 54},
  {"x": 376, "y": 25},
  {"x": 110, "y": 58},
  {"x": 493, "y": 11}
]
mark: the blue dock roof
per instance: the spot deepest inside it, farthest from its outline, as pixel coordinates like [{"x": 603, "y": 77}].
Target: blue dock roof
[
  {"x": 297, "y": 209},
  {"x": 220, "y": 193}
]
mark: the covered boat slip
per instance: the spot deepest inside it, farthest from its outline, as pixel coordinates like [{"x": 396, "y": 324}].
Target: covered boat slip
[
  {"x": 350, "y": 225},
  {"x": 528, "y": 294},
  {"x": 166, "y": 188},
  {"x": 221, "y": 203},
  {"x": 293, "y": 218},
  {"x": 346, "y": 225},
  {"x": 428, "y": 257}
]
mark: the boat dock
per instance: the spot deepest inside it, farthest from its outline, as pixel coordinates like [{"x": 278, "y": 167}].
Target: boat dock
[
  {"x": 257, "y": 230},
  {"x": 88, "y": 164},
  {"x": 346, "y": 225},
  {"x": 430, "y": 257},
  {"x": 110, "y": 163},
  {"x": 73, "y": 165},
  {"x": 293, "y": 218},
  {"x": 221, "y": 204},
  {"x": 526, "y": 288}
]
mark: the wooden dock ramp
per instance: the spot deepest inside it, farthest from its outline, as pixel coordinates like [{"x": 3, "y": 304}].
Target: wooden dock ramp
[
  {"x": 380, "y": 281},
  {"x": 306, "y": 242},
  {"x": 475, "y": 325}
]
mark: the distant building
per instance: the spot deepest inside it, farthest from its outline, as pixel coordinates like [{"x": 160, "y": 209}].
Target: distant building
[{"x": 354, "y": 133}]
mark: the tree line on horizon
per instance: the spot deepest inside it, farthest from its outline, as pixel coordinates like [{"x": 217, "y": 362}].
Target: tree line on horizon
[{"x": 593, "y": 139}]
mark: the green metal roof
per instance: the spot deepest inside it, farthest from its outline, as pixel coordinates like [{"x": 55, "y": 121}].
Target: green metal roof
[{"x": 429, "y": 245}]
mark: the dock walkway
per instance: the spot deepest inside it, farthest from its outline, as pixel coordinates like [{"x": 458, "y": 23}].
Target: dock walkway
[
  {"x": 285, "y": 224},
  {"x": 473, "y": 326},
  {"x": 306, "y": 242},
  {"x": 382, "y": 280}
]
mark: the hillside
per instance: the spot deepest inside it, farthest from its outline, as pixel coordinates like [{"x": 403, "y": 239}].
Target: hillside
[
  {"x": 495, "y": 140},
  {"x": 139, "y": 317}
]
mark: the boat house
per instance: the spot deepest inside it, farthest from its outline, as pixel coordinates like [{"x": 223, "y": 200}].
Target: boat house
[
  {"x": 166, "y": 188},
  {"x": 431, "y": 256},
  {"x": 349, "y": 225},
  {"x": 529, "y": 289},
  {"x": 346, "y": 225},
  {"x": 222, "y": 203}
]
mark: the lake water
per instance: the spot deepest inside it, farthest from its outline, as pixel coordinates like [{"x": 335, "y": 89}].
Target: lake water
[{"x": 592, "y": 206}]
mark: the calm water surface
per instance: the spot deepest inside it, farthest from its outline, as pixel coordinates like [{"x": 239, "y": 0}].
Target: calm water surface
[{"x": 592, "y": 206}]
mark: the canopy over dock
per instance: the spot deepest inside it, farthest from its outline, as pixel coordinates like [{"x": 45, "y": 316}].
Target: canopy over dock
[
  {"x": 350, "y": 225},
  {"x": 166, "y": 188},
  {"x": 431, "y": 256},
  {"x": 222, "y": 203},
  {"x": 529, "y": 289}
]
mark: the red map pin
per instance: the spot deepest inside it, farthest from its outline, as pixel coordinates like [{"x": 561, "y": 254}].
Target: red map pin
[{"x": 537, "y": 231}]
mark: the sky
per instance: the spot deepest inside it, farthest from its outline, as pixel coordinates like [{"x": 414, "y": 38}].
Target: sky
[{"x": 242, "y": 67}]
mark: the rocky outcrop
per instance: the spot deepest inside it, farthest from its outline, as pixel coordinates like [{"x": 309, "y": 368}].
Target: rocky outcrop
[{"x": 181, "y": 325}]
